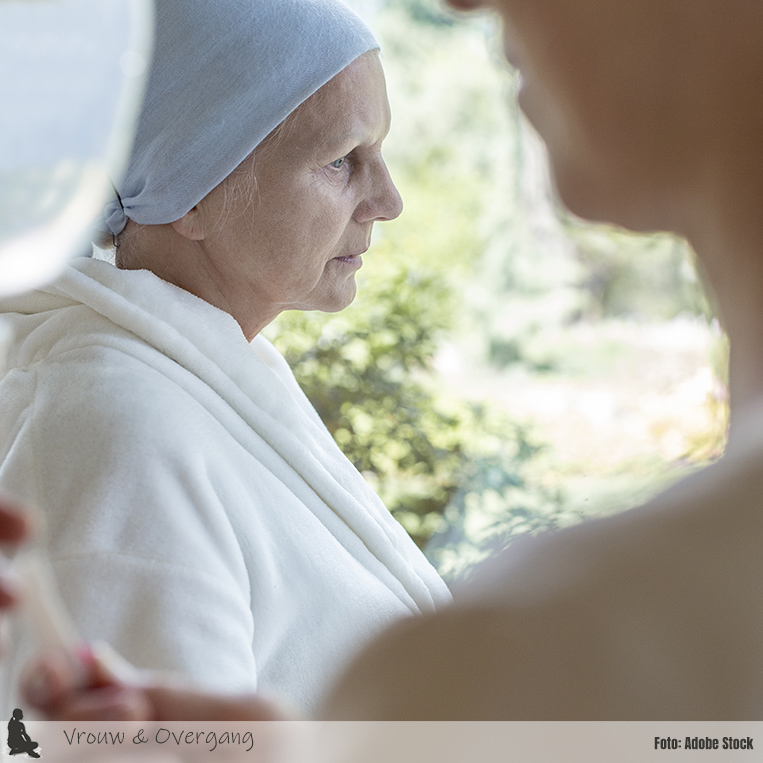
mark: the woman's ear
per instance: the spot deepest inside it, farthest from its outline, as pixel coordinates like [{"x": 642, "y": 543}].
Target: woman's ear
[{"x": 191, "y": 224}]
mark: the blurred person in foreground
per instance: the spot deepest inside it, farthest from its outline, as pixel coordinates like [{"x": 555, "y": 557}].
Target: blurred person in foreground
[
  {"x": 199, "y": 516},
  {"x": 652, "y": 115}
]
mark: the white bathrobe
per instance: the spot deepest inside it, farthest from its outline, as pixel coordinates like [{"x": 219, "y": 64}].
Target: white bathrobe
[{"x": 200, "y": 517}]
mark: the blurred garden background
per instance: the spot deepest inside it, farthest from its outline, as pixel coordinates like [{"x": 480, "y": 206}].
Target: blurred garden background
[{"x": 505, "y": 368}]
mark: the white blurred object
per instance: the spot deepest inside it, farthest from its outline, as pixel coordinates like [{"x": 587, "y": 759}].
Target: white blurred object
[{"x": 72, "y": 74}]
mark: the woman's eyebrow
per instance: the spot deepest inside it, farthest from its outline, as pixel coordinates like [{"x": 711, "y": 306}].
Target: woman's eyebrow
[
  {"x": 350, "y": 137},
  {"x": 357, "y": 137},
  {"x": 337, "y": 145}
]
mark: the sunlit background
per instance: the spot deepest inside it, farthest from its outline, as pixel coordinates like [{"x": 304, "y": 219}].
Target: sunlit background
[{"x": 505, "y": 368}]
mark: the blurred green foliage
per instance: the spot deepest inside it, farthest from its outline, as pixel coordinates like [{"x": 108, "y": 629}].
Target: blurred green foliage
[{"x": 368, "y": 372}]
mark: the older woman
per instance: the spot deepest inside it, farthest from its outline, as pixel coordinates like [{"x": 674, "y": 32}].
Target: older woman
[{"x": 199, "y": 516}]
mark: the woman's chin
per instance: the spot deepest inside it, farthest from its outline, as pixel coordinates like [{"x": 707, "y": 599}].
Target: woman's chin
[
  {"x": 332, "y": 301},
  {"x": 345, "y": 300}
]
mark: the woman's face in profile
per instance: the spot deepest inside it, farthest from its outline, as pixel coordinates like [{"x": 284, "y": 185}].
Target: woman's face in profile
[{"x": 290, "y": 235}]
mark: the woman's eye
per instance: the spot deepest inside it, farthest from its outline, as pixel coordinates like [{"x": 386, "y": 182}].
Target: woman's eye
[{"x": 337, "y": 163}]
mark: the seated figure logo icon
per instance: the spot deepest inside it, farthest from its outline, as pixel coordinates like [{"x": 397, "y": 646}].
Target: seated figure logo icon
[{"x": 19, "y": 742}]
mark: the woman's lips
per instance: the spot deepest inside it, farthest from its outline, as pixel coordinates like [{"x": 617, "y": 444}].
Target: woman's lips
[{"x": 351, "y": 260}]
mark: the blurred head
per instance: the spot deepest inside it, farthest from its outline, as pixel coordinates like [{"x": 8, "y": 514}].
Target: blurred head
[{"x": 635, "y": 99}]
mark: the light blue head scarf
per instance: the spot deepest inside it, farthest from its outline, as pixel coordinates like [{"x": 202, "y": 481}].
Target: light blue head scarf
[{"x": 225, "y": 74}]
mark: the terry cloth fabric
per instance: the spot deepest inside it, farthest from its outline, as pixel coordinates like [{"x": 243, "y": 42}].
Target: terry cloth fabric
[
  {"x": 224, "y": 75},
  {"x": 200, "y": 517}
]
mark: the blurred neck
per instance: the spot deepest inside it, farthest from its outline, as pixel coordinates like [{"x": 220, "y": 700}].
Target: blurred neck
[{"x": 726, "y": 231}]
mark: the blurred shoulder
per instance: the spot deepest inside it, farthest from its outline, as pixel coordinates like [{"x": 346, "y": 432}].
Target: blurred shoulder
[{"x": 655, "y": 613}]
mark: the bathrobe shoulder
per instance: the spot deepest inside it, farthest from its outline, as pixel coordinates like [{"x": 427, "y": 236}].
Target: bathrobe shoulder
[{"x": 199, "y": 515}]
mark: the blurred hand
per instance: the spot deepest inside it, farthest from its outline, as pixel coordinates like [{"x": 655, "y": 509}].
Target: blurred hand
[
  {"x": 98, "y": 692},
  {"x": 14, "y": 528}
]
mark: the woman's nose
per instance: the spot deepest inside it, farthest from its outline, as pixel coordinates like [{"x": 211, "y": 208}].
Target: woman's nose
[{"x": 383, "y": 201}]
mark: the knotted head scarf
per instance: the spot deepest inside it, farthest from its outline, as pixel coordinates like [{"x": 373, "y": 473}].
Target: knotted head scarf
[{"x": 225, "y": 73}]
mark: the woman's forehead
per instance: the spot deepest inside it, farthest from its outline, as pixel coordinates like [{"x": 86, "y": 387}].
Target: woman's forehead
[{"x": 350, "y": 108}]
